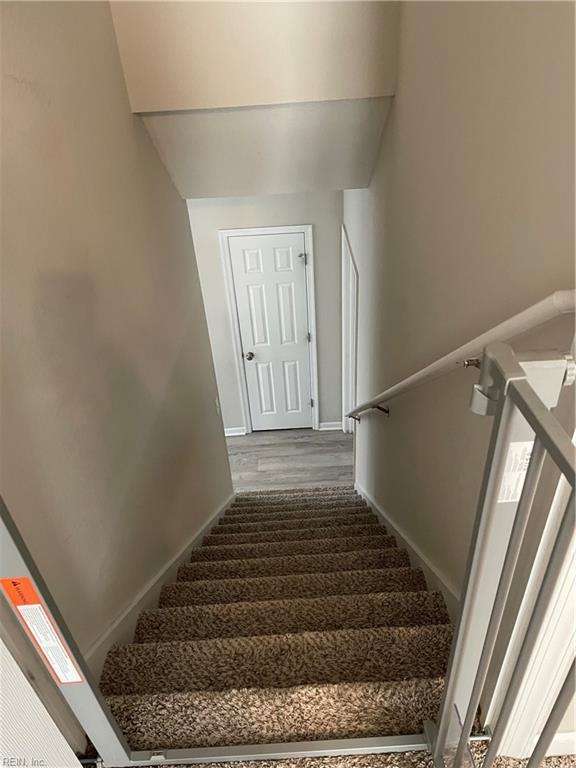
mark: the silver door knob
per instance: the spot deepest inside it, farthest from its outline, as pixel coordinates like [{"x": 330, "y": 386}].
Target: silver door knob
[{"x": 249, "y": 355}]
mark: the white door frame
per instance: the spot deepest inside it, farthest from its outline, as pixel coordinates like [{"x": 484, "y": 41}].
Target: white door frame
[
  {"x": 226, "y": 256},
  {"x": 350, "y": 289}
]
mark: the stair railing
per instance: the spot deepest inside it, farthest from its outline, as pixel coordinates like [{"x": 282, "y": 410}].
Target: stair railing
[
  {"x": 559, "y": 303},
  {"x": 518, "y": 390},
  {"x": 524, "y": 433}
]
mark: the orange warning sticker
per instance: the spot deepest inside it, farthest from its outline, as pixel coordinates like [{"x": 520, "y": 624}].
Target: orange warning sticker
[{"x": 21, "y": 593}]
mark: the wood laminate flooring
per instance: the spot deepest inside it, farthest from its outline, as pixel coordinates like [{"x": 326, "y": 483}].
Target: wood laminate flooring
[{"x": 291, "y": 458}]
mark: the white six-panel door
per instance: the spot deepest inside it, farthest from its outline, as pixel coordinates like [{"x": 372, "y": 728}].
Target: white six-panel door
[{"x": 269, "y": 274}]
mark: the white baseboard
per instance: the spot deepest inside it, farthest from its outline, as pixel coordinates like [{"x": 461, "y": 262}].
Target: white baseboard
[
  {"x": 562, "y": 744},
  {"x": 330, "y": 426},
  {"x": 234, "y": 431},
  {"x": 435, "y": 579},
  {"x": 122, "y": 628},
  {"x": 324, "y": 426}
]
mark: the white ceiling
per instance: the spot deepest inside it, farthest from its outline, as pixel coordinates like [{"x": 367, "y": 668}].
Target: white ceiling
[{"x": 271, "y": 149}]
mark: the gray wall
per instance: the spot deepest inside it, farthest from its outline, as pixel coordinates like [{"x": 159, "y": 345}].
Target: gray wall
[
  {"x": 324, "y": 212},
  {"x": 273, "y": 149},
  {"x": 113, "y": 453},
  {"x": 469, "y": 219}
]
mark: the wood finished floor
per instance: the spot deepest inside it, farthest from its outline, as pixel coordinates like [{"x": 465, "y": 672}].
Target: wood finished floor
[{"x": 290, "y": 458}]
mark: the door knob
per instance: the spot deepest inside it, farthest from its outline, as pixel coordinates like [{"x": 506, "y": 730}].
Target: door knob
[{"x": 249, "y": 355}]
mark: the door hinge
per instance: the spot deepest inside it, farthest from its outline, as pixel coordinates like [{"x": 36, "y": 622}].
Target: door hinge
[
  {"x": 305, "y": 257},
  {"x": 312, "y": 402},
  {"x": 309, "y": 337}
]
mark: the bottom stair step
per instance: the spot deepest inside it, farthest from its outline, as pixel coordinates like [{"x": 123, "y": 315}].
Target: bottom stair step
[{"x": 267, "y": 715}]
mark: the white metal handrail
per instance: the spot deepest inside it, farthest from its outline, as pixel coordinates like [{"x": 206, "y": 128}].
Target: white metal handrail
[{"x": 559, "y": 303}]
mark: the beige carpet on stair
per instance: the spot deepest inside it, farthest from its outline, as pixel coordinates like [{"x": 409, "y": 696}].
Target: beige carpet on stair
[
  {"x": 298, "y": 618},
  {"x": 394, "y": 760}
]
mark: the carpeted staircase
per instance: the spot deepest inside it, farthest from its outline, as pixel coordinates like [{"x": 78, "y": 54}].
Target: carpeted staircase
[{"x": 298, "y": 618}]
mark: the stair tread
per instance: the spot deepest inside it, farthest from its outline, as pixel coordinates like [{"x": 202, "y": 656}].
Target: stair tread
[
  {"x": 306, "y": 546},
  {"x": 269, "y": 715},
  {"x": 295, "y": 491},
  {"x": 292, "y": 585},
  {"x": 352, "y": 502},
  {"x": 363, "y": 655},
  {"x": 239, "y": 516},
  {"x": 270, "y": 513},
  {"x": 292, "y": 615},
  {"x": 299, "y": 523},
  {"x": 285, "y": 564},
  {"x": 294, "y": 534}
]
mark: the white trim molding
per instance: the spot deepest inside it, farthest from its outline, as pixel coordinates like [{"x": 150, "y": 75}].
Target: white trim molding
[
  {"x": 435, "y": 579},
  {"x": 350, "y": 295},
  {"x": 234, "y": 327},
  {"x": 330, "y": 426},
  {"x": 122, "y": 628},
  {"x": 225, "y": 255},
  {"x": 563, "y": 743},
  {"x": 234, "y": 431}
]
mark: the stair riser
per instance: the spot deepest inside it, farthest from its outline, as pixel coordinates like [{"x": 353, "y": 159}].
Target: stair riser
[
  {"x": 307, "y": 534},
  {"x": 293, "y": 505},
  {"x": 286, "y": 587},
  {"x": 362, "y": 655},
  {"x": 277, "y": 715},
  {"x": 277, "y": 566},
  {"x": 298, "y": 524},
  {"x": 291, "y": 616},
  {"x": 290, "y": 514},
  {"x": 295, "y": 501},
  {"x": 298, "y": 503},
  {"x": 271, "y": 549},
  {"x": 294, "y": 493}
]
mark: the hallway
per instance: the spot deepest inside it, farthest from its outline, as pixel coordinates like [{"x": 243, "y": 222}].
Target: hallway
[{"x": 291, "y": 458}]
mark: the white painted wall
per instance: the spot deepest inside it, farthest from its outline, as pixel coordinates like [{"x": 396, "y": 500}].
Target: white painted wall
[
  {"x": 190, "y": 55},
  {"x": 469, "y": 219},
  {"x": 275, "y": 149},
  {"x": 324, "y": 212},
  {"x": 112, "y": 449}
]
